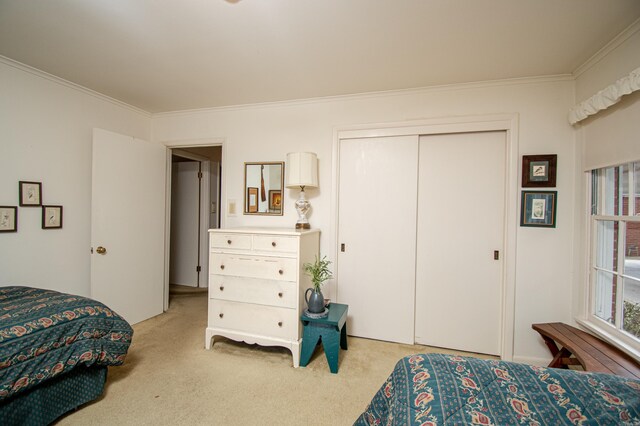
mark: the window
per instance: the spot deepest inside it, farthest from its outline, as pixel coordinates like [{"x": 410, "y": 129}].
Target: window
[{"x": 615, "y": 257}]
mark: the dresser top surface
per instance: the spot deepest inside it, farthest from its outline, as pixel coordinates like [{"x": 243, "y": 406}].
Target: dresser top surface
[{"x": 263, "y": 230}]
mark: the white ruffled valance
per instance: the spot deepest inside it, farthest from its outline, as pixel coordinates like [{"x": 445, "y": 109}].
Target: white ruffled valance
[{"x": 606, "y": 97}]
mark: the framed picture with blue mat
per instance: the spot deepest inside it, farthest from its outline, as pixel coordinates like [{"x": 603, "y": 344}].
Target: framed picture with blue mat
[{"x": 538, "y": 208}]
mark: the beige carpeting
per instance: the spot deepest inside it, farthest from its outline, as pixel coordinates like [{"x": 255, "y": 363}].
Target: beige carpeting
[{"x": 170, "y": 379}]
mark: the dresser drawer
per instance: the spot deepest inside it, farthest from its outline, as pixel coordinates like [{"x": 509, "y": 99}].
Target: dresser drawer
[
  {"x": 275, "y": 244},
  {"x": 269, "y": 268},
  {"x": 281, "y": 323},
  {"x": 230, "y": 241},
  {"x": 253, "y": 290}
]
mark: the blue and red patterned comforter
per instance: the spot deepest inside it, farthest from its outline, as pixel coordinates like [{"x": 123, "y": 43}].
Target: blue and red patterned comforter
[
  {"x": 44, "y": 334},
  {"x": 438, "y": 389}
]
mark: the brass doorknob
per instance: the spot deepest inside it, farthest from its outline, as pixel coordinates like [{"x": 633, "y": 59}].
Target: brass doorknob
[{"x": 101, "y": 250}]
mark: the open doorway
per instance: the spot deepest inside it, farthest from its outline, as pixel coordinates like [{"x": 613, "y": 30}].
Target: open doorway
[{"x": 195, "y": 208}]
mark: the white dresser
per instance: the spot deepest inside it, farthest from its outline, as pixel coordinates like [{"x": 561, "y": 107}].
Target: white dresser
[{"x": 257, "y": 285}]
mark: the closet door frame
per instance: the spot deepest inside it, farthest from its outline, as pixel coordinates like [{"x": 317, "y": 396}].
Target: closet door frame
[{"x": 464, "y": 124}]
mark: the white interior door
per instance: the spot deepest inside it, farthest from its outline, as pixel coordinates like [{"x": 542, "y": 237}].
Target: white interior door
[
  {"x": 128, "y": 221},
  {"x": 377, "y": 228},
  {"x": 185, "y": 213},
  {"x": 461, "y": 213}
]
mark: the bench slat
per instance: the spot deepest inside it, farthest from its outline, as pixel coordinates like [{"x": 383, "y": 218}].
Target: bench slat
[
  {"x": 576, "y": 346},
  {"x": 592, "y": 353},
  {"x": 606, "y": 353},
  {"x": 593, "y": 358}
]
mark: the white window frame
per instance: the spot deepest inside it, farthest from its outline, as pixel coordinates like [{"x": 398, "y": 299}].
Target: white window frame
[{"x": 610, "y": 332}]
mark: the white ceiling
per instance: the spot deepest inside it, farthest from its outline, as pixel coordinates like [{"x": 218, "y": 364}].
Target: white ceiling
[{"x": 168, "y": 55}]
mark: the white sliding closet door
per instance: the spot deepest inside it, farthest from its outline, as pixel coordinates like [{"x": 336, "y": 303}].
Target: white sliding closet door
[
  {"x": 461, "y": 213},
  {"x": 377, "y": 234}
]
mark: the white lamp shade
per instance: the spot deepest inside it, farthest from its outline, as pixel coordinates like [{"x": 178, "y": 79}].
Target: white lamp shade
[{"x": 302, "y": 169}]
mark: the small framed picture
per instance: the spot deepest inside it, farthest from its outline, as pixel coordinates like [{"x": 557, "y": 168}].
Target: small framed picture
[
  {"x": 539, "y": 171},
  {"x": 252, "y": 200},
  {"x": 30, "y": 194},
  {"x": 8, "y": 219},
  {"x": 539, "y": 208},
  {"x": 51, "y": 217},
  {"x": 275, "y": 200}
]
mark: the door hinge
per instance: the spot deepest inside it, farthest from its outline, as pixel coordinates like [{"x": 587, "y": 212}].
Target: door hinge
[
  {"x": 199, "y": 175},
  {"x": 198, "y": 268}
]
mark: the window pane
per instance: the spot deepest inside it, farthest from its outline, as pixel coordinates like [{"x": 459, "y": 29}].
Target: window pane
[
  {"x": 631, "y": 313},
  {"x": 605, "y": 296},
  {"x": 610, "y": 205},
  {"x": 632, "y": 248},
  {"x": 623, "y": 191},
  {"x": 607, "y": 245}
]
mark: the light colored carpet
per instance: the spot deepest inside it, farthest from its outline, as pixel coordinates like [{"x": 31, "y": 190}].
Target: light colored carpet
[{"x": 170, "y": 379}]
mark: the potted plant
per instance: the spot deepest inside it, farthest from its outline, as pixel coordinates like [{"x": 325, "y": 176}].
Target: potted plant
[{"x": 319, "y": 272}]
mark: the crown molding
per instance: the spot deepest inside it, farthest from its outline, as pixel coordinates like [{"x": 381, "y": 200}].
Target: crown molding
[
  {"x": 608, "y": 48},
  {"x": 374, "y": 95},
  {"x": 71, "y": 85},
  {"x": 295, "y": 102}
]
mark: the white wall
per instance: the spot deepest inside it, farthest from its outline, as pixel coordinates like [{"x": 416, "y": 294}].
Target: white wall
[
  {"x": 267, "y": 132},
  {"x": 45, "y": 136}
]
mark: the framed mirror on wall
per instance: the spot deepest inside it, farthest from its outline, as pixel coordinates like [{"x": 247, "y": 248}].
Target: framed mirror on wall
[{"x": 263, "y": 185}]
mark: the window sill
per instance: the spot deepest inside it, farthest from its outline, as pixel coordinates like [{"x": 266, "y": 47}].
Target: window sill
[{"x": 631, "y": 349}]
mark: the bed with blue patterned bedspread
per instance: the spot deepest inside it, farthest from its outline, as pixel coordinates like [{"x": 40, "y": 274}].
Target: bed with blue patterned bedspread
[
  {"x": 54, "y": 352},
  {"x": 438, "y": 389}
]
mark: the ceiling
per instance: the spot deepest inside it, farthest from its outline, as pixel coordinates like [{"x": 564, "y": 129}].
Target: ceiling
[{"x": 169, "y": 55}]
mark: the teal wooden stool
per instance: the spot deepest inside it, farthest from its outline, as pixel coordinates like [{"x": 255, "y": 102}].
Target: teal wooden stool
[{"x": 331, "y": 330}]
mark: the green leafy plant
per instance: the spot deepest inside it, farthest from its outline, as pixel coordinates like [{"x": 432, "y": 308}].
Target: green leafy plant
[
  {"x": 318, "y": 271},
  {"x": 632, "y": 318}
]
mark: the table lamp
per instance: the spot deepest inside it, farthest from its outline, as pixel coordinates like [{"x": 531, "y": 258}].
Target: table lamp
[{"x": 302, "y": 171}]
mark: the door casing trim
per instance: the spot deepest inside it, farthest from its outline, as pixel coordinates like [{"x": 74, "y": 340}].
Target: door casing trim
[{"x": 176, "y": 145}]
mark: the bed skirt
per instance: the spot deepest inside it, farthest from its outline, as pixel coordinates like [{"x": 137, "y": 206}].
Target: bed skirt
[{"x": 43, "y": 404}]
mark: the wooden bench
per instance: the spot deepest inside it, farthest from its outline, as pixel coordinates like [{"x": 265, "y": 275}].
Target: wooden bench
[{"x": 587, "y": 350}]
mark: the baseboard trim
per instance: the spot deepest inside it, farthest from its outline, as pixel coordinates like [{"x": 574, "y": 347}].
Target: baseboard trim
[{"x": 540, "y": 362}]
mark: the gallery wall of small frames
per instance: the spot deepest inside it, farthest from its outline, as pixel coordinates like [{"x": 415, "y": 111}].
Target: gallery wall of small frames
[
  {"x": 538, "y": 208},
  {"x": 30, "y": 196}
]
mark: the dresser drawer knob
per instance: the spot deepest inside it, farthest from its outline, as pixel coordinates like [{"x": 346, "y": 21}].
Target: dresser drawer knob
[
  {"x": 221, "y": 315},
  {"x": 221, "y": 288},
  {"x": 273, "y": 244},
  {"x": 280, "y": 294},
  {"x": 279, "y": 323},
  {"x": 281, "y": 272},
  {"x": 221, "y": 266},
  {"x": 229, "y": 242}
]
